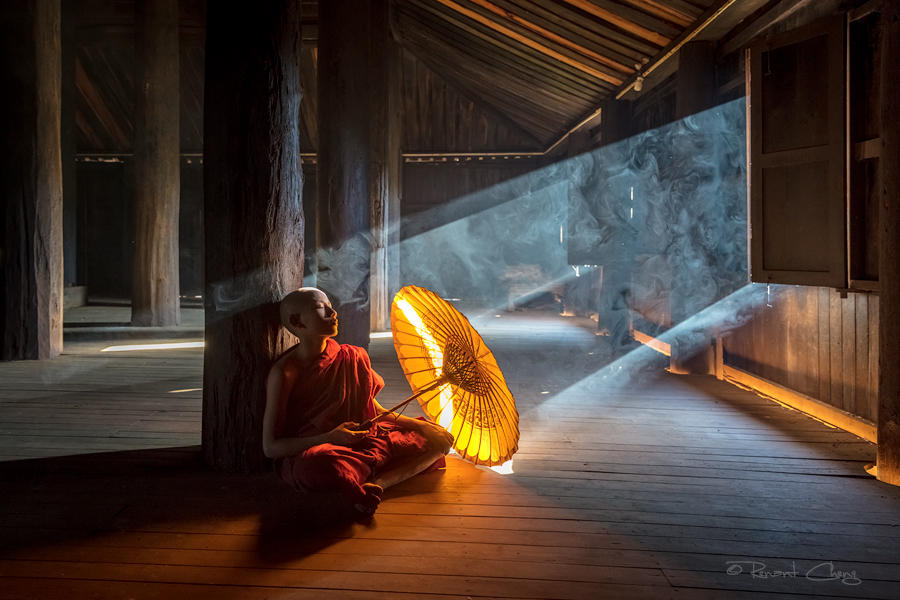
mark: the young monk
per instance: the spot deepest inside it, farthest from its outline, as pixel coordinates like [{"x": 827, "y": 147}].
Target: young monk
[{"x": 317, "y": 394}]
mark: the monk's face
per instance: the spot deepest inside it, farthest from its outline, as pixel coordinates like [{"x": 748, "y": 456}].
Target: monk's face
[{"x": 316, "y": 316}]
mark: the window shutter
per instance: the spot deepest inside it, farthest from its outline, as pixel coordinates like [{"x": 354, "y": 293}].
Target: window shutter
[{"x": 797, "y": 157}]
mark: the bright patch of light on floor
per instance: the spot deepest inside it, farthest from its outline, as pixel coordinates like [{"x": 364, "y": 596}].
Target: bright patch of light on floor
[
  {"x": 691, "y": 335},
  {"x": 504, "y": 469},
  {"x": 379, "y": 334},
  {"x": 174, "y": 345},
  {"x": 185, "y": 390}
]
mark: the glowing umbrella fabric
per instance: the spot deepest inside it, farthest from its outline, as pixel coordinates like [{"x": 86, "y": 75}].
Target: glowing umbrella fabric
[{"x": 455, "y": 376}]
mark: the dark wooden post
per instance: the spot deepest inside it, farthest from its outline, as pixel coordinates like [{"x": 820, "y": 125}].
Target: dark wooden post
[
  {"x": 310, "y": 205},
  {"x": 253, "y": 216},
  {"x": 344, "y": 162},
  {"x": 695, "y": 89},
  {"x": 385, "y": 168},
  {"x": 615, "y": 121},
  {"x": 68, "y": 143},
  {"x": 154, "y": 274},
  {"x": 695, "y": 92},
  {"x": 31, "y": 263},
  {"x": 889, "y": 253}
]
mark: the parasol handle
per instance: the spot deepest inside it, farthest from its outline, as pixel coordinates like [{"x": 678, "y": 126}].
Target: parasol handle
[{"x": 440, "y": 381}]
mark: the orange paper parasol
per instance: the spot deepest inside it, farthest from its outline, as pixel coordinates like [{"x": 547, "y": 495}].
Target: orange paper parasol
[{"x": 454, "y": 376}]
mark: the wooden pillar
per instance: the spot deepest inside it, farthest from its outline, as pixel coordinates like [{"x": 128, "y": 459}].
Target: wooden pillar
[
  {"x": 344, "y": 164},
  {"x": 310, "y": 202},
  {"x": 695, "y": 92},
  {"x": 68, "y": 143},
  {"x": 154, "y": 274},
  {"x": 889, "y": 254},
  {"x": 695, "y": 89},
  {"x": 615, "y": 121},
  {"x": 253, "y": 216},
  {"x": 386, "y": 163},
  {"x": 31, "y": 263}
]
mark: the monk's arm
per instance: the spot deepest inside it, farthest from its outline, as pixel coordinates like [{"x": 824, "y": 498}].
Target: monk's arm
[
  {"x": 278, "y": 390},
  {"x": 426, "y": 428}
]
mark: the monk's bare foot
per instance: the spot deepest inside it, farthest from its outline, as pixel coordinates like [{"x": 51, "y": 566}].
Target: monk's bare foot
[
  {"x": 374, "y": 489},
  {"x": 369, "y": 504}
]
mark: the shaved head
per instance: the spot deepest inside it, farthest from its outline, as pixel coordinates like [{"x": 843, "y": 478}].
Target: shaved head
[
  {"x": 298, "y": 300},
  {"x": 308, "y": 311}
]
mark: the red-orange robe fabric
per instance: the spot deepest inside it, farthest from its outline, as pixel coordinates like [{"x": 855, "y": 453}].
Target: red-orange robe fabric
[{"x": 339, "y": 386}]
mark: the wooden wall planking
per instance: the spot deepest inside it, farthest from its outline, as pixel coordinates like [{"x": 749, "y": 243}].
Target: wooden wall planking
[
  {"x": 812, "y": 341},
  {"x": 431, "y": 185},
  {"x": 438, "y": 118}
]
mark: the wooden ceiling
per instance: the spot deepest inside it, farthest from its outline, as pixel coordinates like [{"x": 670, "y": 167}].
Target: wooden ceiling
[
  {"x": 546, "y": 64},
  {"x": 526, "y": 71}
]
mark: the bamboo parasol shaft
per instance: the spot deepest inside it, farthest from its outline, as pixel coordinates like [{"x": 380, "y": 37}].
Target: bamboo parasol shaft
[{"x": 438, "y": 382}]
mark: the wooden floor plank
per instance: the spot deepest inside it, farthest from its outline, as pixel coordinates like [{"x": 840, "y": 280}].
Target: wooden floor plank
[
  {"x": 654, "y": 489},
  {"x": 29, "y": 588}
]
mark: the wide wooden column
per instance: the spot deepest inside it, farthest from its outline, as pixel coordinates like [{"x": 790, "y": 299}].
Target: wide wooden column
[
  {"x": 386, "y": 165},
  {"x": 695, "y": 89},
  {"x": 154, "y": 274},
  {"x": 889, "y": 253},
  {"x": 68, "y": 143},
  {"x": 695, "y": 92},
  {"x": 253, "y": 216},
  {"x": 615, "y": 121},
  {"x": 351, "y": 159},
  {"x": 31, "y": 263}
]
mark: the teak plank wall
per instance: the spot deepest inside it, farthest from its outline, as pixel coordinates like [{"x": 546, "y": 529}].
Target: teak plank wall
[
  {"x": 427, "y": 186},
  {"x": 811, "y": 340}
]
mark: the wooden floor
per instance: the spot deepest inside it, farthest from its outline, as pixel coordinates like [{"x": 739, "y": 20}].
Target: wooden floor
[{"x": 628, "y": 484}]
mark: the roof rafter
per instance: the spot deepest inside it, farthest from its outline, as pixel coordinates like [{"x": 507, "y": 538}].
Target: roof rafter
[
  {"x": 533, "y": 67},
  {"x": 534, "y": 45},
  {"x": 515, "y": 77},
  {"x": 682, "y": 16},
  {"x": 551, "y": 36},
  {"x": 102, "y": 112},
  {"x": 620, "y": 22},
  {"x": 615, "y": 44}
]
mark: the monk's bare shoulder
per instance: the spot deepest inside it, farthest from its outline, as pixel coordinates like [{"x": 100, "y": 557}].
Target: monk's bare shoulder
[{"x": 285, "y": 367}]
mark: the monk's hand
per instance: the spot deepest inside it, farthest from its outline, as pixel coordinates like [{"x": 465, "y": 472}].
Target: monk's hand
[
  {"x": 346, "y": 433},
  {"x": 436, "y": 432}
]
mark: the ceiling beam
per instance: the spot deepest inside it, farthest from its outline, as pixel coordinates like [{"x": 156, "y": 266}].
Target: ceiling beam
[
  {"x": 534, "y": 45},
  {"x": 95, "y": 101},
  {"x": 571, "y": 23},
  {"x": 705, "y": 20},
  {"x": 620, "y": 22},
  {"x": 669, "y": 12},
  {"x": 552, "y": 36},
  {"x": 509, "y": 56},
  {"x": 515, "y": 90},
  {"x": 491, "y": 106}
]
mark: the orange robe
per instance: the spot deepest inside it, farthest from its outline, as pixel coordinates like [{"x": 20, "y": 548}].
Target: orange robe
[{"x": 339, "y": 386}]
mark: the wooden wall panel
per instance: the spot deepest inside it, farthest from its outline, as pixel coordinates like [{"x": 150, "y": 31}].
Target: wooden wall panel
[
  {"x": 812, "y": 341},
  {"x": 836, "y": 349},
  {"x": 823, "y": 345},
  {"x": 430, "y": 185},
  {"x": 437, "y": 117},
  {"x": 872, "y": 379}
]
